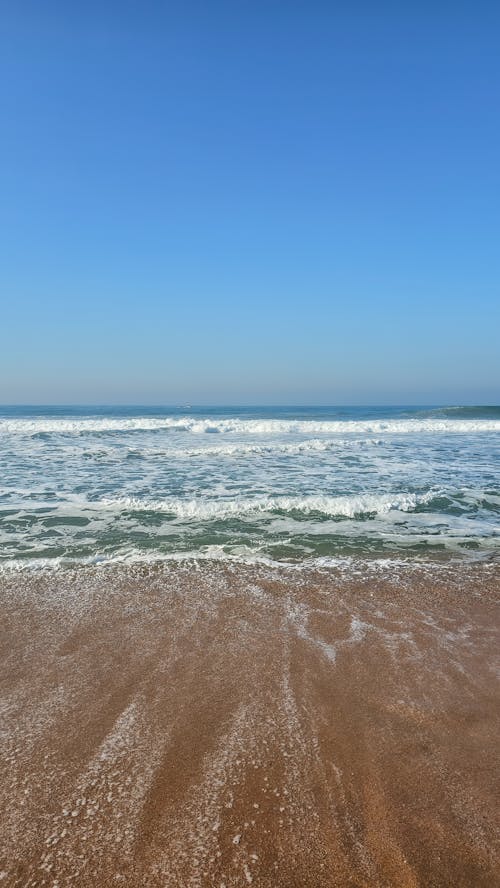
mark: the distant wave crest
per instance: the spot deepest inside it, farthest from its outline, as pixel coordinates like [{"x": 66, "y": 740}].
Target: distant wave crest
[{"x": 253, "y": 427}]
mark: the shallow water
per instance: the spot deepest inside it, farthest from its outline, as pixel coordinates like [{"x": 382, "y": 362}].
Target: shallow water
[{"x": 255, "y": 484}]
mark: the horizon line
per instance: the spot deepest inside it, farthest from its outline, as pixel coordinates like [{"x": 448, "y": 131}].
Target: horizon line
[{"x": 228, "y": 405}]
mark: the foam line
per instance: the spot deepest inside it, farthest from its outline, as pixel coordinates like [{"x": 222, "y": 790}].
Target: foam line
[{"x": 247, "y": 426}]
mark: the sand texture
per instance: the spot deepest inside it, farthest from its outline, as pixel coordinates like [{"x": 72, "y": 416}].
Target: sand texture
[{"x": 234, "y": 726}]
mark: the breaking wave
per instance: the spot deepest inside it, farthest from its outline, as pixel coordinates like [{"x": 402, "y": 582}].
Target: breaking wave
[
  {"x": 281, "y": 483},
  {"x": 256, "y": 427},
  {"x": 331, "y": 506}
]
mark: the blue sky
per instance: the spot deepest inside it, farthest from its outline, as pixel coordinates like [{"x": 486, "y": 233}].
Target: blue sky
[{"x": 249, "y": 202}]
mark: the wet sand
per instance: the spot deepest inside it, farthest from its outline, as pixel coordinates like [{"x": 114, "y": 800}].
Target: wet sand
[{"x": 233, "y": 726}]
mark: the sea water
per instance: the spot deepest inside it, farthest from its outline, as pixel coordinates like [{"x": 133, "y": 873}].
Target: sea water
[{"x": 282, "y": 484}]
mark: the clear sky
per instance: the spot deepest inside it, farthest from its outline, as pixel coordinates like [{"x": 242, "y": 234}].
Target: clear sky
[{"x": 250, "y": 202}]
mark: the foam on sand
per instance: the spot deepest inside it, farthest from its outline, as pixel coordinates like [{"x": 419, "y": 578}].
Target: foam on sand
[{"x": 231, "y": 725}]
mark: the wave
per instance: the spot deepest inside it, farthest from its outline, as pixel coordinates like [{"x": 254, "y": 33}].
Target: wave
[
  {"x": 445, "y": 502},
  {"x": 255, "y": 427},
  {"x": 478, "y": 412},
  {"x": 314, "y": 445},
  {"x": 212, "y": 554},
  {"x": 357, "y": 506},
  {"x": 216, "y": 556}
]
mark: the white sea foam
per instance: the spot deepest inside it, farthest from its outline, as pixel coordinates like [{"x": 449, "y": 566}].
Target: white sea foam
[
  {"x": 333, "y": 506},
  {"x": 192, "y": 425},
  {"x": 217, "y": 555},
  {"x": 271, "y": 447},
  {"x": 313, "y": 445},
  {"x": 211, "y": 555},
  {"x": 291, "y": 485}
]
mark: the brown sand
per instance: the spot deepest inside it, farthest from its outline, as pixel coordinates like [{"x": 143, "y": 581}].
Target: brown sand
[{"x": 248, "y": 726}]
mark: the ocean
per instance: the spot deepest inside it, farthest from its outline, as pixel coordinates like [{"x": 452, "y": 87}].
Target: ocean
[{"x": 298, "y": 485}]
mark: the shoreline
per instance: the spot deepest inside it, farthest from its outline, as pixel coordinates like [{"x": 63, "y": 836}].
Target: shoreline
[{"x": 230, "y": 724}]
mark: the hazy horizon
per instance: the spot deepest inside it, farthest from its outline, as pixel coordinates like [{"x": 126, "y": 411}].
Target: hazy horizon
[{"x": 247, "y": 405}]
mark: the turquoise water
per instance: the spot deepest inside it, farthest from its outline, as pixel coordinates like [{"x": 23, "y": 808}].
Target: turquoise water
[{"x": 278, "y": 484}]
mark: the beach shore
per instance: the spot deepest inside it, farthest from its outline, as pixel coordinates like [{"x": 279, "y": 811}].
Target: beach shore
[{"x": 232, "y": 725}]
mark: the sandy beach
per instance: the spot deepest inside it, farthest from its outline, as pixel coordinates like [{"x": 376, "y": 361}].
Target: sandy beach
[{"x": 241, "y": 725}]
